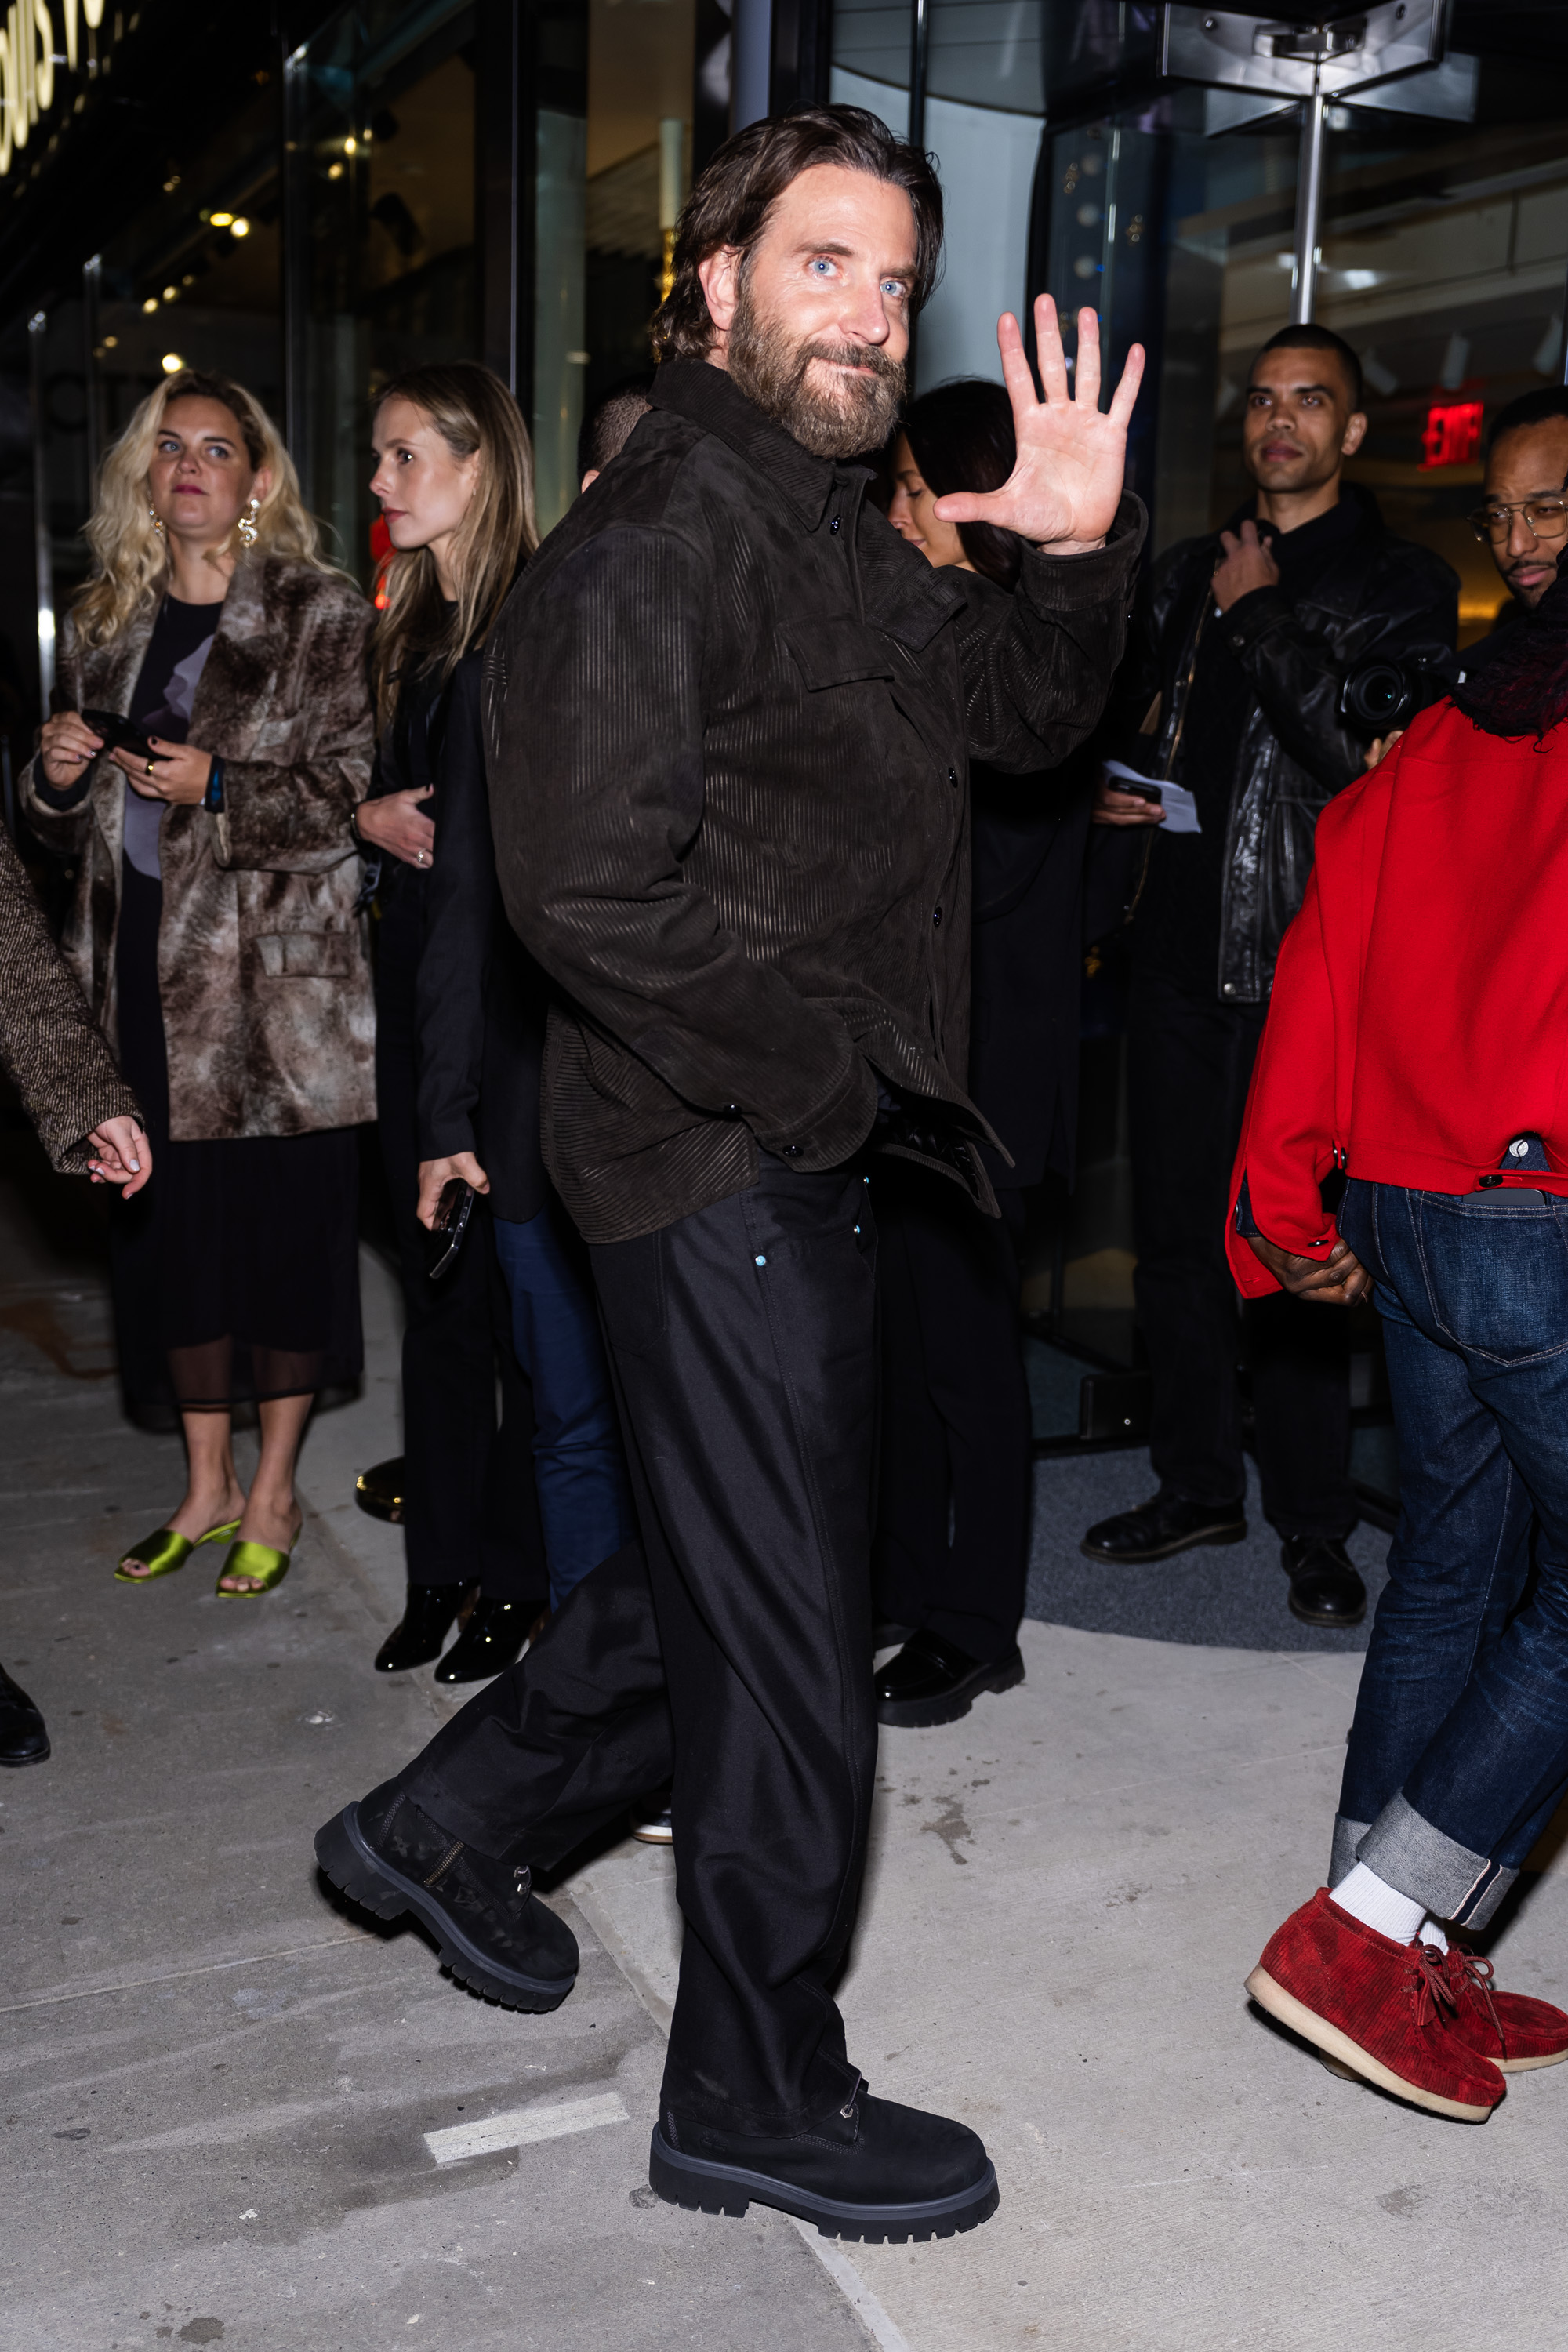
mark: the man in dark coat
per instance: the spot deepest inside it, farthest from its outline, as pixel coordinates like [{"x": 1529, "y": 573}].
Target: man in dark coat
[
  {"x": 1240, "y": 656},
  {"x": 730, "y": 718}
]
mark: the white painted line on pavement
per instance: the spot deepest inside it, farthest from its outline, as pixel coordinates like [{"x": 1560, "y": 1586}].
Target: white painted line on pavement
[
  {"x": 523, "y": 2125},
  {"x": 844, "y": 2274}
]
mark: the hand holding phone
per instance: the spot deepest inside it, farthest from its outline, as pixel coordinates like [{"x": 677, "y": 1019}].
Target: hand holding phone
[
  {"x": 118, "y": 733},
  {"x": 448, "y": 1227}
]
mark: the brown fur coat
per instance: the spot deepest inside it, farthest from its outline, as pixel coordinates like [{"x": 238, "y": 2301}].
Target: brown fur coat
[{"x": 263, "y": 966}]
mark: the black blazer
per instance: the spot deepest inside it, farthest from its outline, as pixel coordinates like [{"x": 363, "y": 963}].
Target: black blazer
[{"x": 481, "y": 999}]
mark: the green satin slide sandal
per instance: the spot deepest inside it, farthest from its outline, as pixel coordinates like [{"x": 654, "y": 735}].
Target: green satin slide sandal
[
  {"x": 163, "y": 1552},
  {"x": 259, "y": 1561}
]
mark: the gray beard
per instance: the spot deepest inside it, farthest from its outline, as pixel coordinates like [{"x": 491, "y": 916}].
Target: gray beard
[{"x": 772, "y": 371}]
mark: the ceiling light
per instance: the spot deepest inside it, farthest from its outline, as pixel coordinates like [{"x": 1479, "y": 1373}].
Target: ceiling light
[
  {"x": 334, "y": 171},
  {"x": 221, "y": 220},
  {"x": 111, "y": 343},
  {"x": 170, "y": 293},
  {"x": 351, "y": 145},
  {"x": 239, "y": 226},
  {"x": 151, "y": 303},
  {"x": 172, "y": 363}
]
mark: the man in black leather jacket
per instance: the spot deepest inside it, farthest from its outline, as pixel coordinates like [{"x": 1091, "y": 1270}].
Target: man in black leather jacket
[{"x": 1232, "y": 690}]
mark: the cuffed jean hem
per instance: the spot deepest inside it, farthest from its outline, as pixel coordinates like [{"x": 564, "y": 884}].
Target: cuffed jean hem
[
  {"x": 1432, "y": 1868},
  {"x": 1348, "y": 1835}
]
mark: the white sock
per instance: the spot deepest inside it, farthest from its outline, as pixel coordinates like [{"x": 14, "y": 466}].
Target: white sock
[
  {"x": 1430, "y": 1933},
  {"x": 1377, "y": 1905}
]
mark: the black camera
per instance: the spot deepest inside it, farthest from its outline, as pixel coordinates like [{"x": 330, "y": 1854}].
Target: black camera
[{"x": 1381, "y": 693}]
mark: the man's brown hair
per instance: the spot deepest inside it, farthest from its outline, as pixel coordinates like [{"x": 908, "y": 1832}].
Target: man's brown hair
[{"x": 731, "y": 200}]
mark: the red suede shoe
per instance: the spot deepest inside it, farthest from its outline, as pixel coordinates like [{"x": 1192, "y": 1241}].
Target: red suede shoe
[
  {"x": 1379, "y": 2006},
  {"x": 1509, "y": 2028}
]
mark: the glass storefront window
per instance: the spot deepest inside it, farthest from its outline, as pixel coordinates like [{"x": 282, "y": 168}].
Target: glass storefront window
[
  {"x": 381, "y": 151},
  {"x": 613, "y": 161}
]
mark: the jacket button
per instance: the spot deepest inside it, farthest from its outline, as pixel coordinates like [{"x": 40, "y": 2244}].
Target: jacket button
[
  {"x": 1230, "y": 988},
  {"x": 791, "y": 1152},
  {"x": 952, "y": 776},
  {"x": 834, "y": 523},
  {"x": 1488, "y": 1182},
  {"x": 936, "y": 916},
  {"x": 730, "y": 1110}
]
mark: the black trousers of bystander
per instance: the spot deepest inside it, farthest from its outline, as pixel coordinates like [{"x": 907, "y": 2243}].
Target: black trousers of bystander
[
  {"x": 953, "y": 1507},
  {"x": 1189, "y": 1065},
  {"x": 743, "y": 1344},
  {"x": 470, "y": 1511}
]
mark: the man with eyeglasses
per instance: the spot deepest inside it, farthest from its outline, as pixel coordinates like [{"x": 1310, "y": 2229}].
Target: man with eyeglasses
[{"x": 1523, "y": 514}]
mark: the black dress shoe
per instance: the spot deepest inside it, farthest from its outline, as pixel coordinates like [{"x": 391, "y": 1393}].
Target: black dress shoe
[
  {"x": 22, "y": 1738},
  {"x": 1156, "y": 1530},
  {"x": 1325, "y": 1588},
  {"x": 428, "y": 1616},
  {"x": 493, "y": 1931},
  {"x": 869, "y": 2170},
  {"x": 493, "y": 1638},
  {"x": 932, "y": 1682}
]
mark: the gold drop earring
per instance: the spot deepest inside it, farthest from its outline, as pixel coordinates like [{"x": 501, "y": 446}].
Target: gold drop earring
[
  {"x": 248, "y": 522},
  {"x": 153, "y": 518}
]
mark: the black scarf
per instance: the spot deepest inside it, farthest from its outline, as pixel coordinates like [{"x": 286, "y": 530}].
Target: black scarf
[{"x": 1523, "y": 688}]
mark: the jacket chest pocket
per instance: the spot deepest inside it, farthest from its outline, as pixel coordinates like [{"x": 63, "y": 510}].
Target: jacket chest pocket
[{"x": 836, "y": 650}]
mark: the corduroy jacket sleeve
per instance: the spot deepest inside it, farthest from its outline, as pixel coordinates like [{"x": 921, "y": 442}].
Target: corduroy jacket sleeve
[
  {"x": 594, "y": 698},
  {"x": 1036, "y": 686}
]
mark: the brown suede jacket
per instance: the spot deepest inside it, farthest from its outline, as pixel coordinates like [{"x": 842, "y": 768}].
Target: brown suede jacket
[
  {"x": 263, "y": 966},
  {"x": 728, "y": 720}
]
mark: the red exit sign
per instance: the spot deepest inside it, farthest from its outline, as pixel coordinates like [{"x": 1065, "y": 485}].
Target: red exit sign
[{"x": 1452, "y": 435}]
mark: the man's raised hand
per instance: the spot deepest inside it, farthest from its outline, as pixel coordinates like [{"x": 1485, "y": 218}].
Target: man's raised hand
[{"x": 1065, "y": 489}]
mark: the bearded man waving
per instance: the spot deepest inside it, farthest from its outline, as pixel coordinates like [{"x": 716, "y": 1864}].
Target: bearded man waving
[{"x": 730, "y": 715}]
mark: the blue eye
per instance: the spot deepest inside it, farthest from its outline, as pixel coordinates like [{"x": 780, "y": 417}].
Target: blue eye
[
  {"x": 896, "y": 287},
  {"x": 822, "y": 265}
]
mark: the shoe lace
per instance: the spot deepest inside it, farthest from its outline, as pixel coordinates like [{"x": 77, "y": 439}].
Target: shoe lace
[
  {"x": 1478, "y": 1974},
  {"x": 1434, "y": 1993}
]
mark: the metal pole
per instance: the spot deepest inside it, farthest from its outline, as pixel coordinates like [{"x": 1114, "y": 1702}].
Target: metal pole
[
  {"x": 919, "y": 31},
  {"x": 91, "y": 286},
  {"x": 43, "y": 558},
  {"x": 1308, "y": 208}
]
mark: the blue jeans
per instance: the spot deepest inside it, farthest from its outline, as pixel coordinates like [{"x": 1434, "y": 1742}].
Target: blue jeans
[
  {"x": 1458, "y": 1752},
  {"x": 584, "y": 1502}
]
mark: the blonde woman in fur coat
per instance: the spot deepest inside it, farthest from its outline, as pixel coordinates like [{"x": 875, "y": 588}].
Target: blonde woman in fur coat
[{"x": 215, "y": 936}]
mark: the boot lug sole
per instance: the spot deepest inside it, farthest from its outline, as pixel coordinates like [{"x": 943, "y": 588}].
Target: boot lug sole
[
  {"x": 1287, "y": 2010},
  {"x": 925, "y": 1715},
  {"x": 356, "y": 1870},
  {"x": 702, "y": 2187}
]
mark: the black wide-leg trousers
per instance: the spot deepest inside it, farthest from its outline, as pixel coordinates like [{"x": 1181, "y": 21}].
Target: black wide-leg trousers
[
  {"x": 743, "y": 1345},
  {"x": 1189, "y": 1065}
]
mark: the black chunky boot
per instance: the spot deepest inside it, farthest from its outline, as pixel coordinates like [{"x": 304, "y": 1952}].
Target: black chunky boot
[
  {"x": 494, "y": 1933},
  {"x": 869, "y": 2170}
]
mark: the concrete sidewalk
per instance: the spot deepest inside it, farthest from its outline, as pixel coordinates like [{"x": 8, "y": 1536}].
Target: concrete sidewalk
[{"x": 217, "y": 2091}]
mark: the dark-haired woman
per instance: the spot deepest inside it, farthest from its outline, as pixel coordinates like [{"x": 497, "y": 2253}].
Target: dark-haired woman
[
  {"x": 524, "y": 1508},
  {"x": 952, "y": 1533}
]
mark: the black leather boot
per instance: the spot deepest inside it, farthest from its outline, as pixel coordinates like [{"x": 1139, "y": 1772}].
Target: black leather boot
[
  {"x": 428, "y": 1618},
  {"x": 931, "y": 1681},
  {"x": 1158, "y": 1528},
  {"x": 492, "y": 1639},
  {"x": 493, "y": 1931},
  {"x": 869, "y": 2170},
  {"x": 22, "y": 1736},
  {"x": 1325, "y": 1586}
]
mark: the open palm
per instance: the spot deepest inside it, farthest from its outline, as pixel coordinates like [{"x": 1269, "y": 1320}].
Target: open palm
[{"x": 1065, "y": 489}]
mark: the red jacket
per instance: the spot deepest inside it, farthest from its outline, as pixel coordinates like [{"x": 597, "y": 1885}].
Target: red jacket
[{"x": 1419, "y": 1020}]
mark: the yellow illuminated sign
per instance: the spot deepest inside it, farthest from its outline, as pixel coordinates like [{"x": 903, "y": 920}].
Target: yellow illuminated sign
[{"x": 27, "y": 65}]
